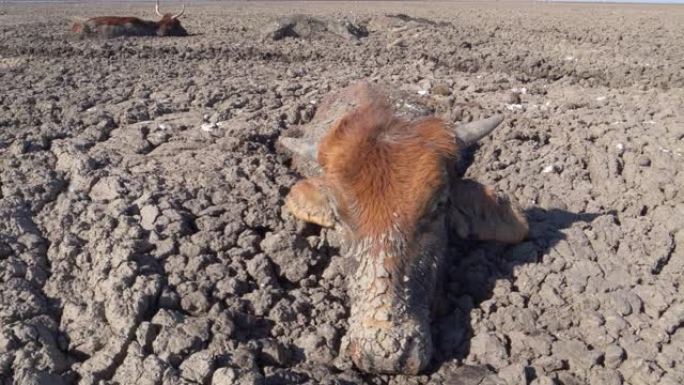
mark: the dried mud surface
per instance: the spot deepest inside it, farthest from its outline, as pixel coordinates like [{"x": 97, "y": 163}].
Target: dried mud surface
[{"x": 142, "y": 239}]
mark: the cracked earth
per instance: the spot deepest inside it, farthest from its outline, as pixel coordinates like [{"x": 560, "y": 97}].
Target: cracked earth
[{"x": 142, "y": 239}]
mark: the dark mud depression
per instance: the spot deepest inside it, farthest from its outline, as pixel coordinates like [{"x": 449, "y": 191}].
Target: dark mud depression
[{"x": 142, "y": 239}]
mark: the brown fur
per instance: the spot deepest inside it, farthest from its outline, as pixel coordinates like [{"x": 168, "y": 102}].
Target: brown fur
[
  {"x": 118, "y": 20},
  {"x": 135, "y": 26},
  {"x": 390, "y": 183},
  {"x": 477, "y": 211},
  {"x": 384, "y": 170}
]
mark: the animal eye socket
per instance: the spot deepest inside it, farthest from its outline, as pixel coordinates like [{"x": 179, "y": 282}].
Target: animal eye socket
[{"x": 437, "y": 200}]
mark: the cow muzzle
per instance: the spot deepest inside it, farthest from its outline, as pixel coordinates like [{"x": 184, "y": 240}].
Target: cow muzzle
[
  {"x": 389, "y": 324},
  {"x": 395, "y": 347}
]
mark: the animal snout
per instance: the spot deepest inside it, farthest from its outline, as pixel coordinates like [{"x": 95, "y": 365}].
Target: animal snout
[{"x": 397, "y": 348}]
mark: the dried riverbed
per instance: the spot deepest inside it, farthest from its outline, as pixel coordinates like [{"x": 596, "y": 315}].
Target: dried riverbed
[{"x": 142, "y": 239}]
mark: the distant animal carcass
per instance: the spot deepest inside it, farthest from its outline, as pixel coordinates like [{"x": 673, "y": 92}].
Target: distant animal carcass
[
  {"x": 388, "y": 182},
  {"x": 115, "y": 26}
]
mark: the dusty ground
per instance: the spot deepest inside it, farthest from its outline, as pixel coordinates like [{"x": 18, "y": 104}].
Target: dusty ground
[{"x": 142, "y": 240}]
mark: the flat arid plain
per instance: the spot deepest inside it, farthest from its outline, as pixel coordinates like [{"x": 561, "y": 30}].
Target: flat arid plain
[{"x": 142, "y": 239}]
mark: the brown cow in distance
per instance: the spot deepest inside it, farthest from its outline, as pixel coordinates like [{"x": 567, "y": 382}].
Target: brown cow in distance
[
  {"x": 115, "y": 26},
  {"x": 387, "y": 181}
]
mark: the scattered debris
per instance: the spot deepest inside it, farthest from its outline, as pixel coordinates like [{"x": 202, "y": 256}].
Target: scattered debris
[{"x": 208, "y": 127}]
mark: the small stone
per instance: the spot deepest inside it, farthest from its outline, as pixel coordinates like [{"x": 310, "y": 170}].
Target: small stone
[
  {"x": 181, "y": 335},
  {"x": 197, "y": 367},
  {"x": 148, "y": 214},
  {"x": 224, "y": 376},
  {"x": 487, "y": 347},
  {"x": 7, "y": 341},
  {"x": 190, "y": 249},
  {"x": 613, "y": 356},
  {"x": 145, "y": 334},
  {"x": 513, "y": 98},
  {"x": 673, "y": 317},
  {"x": 514, "y": 374},
  {"x": 619, "y": 302},
  {"x": 600, "y": 376},
  {"x": 549, "y": 364},
  {"x": 282, "y": 312},
  {"x": 261, "y": 270},
  {"x": 335, "y": 268},
  {"x": 315, "y": 348},
  {"x": 106, "y": 189},
  {"x": 644, "y": 161},
  {"x": 575, "y": 351},
  {"x": 244, "y": 357},
  {"x": 273, "y": 353},
  {"x": 592, "y": 320},
  {"x": 288, "y": 254},
  {"x": 164, "y": 247},
  {"x": 208, "y": 127},
  {"x": 425, "y": 84},
  {"x": 195, "y": 303}
]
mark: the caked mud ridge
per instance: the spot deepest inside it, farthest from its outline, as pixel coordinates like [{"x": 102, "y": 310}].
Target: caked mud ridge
[{"x": 142, "y": 239}]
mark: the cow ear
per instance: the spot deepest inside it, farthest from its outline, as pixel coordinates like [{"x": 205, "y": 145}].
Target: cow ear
[
  {"x": 478, "y": 212},
  {"x": 308, "y": 201}
]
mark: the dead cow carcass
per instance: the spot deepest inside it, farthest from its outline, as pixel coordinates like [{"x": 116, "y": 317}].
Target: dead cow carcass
[
  {"x": 388, "y": 182},
  {"x": 115, "y": 26}
]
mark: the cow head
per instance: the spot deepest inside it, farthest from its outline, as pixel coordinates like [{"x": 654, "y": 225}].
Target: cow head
[
  {"x": 169, "y": 25},
  {"x": 388, "y": 183}
]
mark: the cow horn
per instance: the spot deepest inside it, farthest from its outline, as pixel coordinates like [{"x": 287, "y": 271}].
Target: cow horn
[
  {"x": 302, "y": 147},
  {"x": 156, "y": 9},
  {"x": 180, "y": 14},
  {"x": 471, "y": 132}
]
